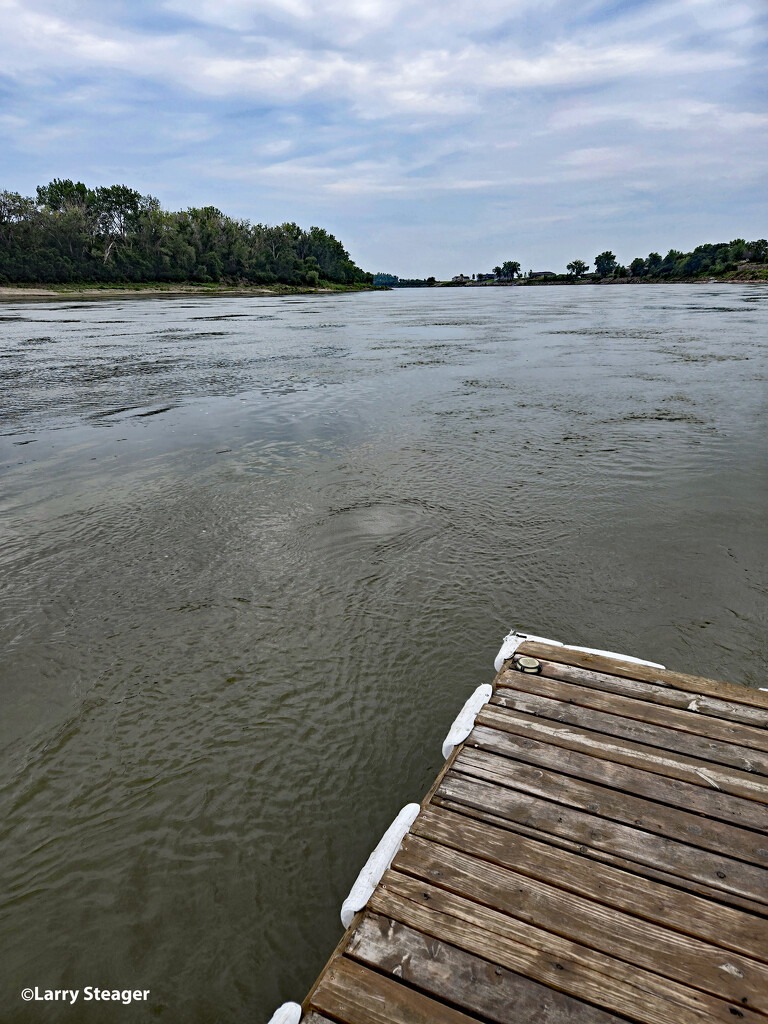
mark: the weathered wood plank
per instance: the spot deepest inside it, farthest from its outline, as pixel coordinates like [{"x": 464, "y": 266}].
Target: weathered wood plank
[
  {"x": 478, "y": 985},
  {"x": 674, "y": 792},
  {"x": 609, "y": 803},
  {"x": 352, "y": 993},
  {"x": 715, "y": 870},
  {"x": 564, "y": 965},
  {"x": 623, "y": 751},
  {"x": 594, "y": 854},
  {"x": 612, "y": 723},
  {"x": 685, "y": 719},
  {"x": 671, "y": 954},
  {"x": 711, "y": 922},
  {"x": 661, "y": 677},
  {"x": 706, "y": 708}
]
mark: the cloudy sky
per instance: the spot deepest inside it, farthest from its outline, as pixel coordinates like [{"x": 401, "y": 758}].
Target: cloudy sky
[{"x": 432, "y": 138}]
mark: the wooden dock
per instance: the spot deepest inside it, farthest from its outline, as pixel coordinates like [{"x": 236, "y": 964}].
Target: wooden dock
[{"x": 594, "y": 852}]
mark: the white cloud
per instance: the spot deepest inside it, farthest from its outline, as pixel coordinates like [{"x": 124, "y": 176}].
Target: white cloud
[
  {"x": 392, "y": 109},
  {"x": 411, "y": 78},
  {"x": 677, "y": 115}
]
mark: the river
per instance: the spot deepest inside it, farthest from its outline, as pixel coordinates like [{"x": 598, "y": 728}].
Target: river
[{"x": 255, "y": 552}]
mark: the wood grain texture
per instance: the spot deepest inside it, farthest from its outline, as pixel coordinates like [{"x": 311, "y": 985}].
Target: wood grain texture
[
  {"x": 549, "y": 958},
  {"x": 714, "y": 870},
  {"x": 605, "y": 802},
  {"x": 352, "y": 993},
  {"x": 595, "y": 854},
  {"x": 673, "y": 955},
  {"x": 708, "y": 710},
  {"x": 684, "y": 719},
  {"x": 564, "y": 708},
  {"x": 660, "y": 677},
  {"x": 456, "y": 976},
  {"x": 622, "y": 777},
  {"x": 624, "y": 751},
  {"x": 625, "y": 890}
]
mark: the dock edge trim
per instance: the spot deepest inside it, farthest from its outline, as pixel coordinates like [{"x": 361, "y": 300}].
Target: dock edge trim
[
  {"x": 464, "y": 722},
  {"x": 378, "y": 862},
  {"x": 515, "y": 638},
  {"x": 288, "y": 1013}
]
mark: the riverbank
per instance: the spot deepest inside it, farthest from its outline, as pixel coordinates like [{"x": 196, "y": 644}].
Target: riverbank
[
  {"x": 116, "y": 291},
  {"x": 758, "y": 274}
]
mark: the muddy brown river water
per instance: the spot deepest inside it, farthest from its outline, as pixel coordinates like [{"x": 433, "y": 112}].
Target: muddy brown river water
[{"x": 256, "y": 552}]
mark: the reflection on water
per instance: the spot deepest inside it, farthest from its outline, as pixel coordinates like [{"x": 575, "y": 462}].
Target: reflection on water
[{"x": 256, "y": 552}]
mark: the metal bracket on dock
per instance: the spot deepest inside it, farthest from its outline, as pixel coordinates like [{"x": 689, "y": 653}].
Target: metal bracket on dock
[
  {"x": 464, "y": 722},
  {"x": 288, "y": 1013},
  {"x": 514, "y": 639},
  {"x": 377, "y": 863}
]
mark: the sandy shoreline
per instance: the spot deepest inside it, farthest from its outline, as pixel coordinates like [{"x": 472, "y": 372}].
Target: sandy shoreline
[
  {"x": 32, "y": 292},
  {"x": 11, "y": 292}
]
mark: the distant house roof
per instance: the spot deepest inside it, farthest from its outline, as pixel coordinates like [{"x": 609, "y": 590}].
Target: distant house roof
[{"x": 542, "y": 273}]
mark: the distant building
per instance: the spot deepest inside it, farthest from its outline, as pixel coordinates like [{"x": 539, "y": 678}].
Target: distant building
[
  {"x": 486, "y": 277},
  {"x": 461, "y": 279},
  {"x": 541, "y": 273}
]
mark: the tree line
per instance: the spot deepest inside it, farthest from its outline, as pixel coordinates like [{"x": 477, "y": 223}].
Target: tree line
[
  {"x": 70, "y": 233},
  {"x": 712, "y": 258}
]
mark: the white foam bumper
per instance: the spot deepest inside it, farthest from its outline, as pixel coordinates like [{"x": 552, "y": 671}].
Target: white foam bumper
[
  {"x": 514, "y": 639},
  {"x": 377, "y": 863},
  {"x": 464, "y": 722},
  {"x": 288, "y": 1013}
]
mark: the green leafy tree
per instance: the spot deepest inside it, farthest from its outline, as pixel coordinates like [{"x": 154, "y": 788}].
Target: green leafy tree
[
  {"x": 509, "y": 269},
  {"x": 498, "y": 272},
  {"x": 671, "y": 264},
  {"x": 15, "y": 210},
  {"x": 637, "y": 267},
  {"x": 62, "y": 194},
  {"x": 605, "y": 263},
  {"x": 577, "y": 268},
  {"x": 737, "y": 250},
  {"x": 70, "y": 232},
  {"x": 311, "y": 271},
  {"x": 758, "y": 250}
]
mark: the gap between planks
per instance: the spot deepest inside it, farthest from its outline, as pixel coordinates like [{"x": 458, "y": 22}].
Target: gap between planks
[
  {"x": 639, "y": 812},
  {"x": 625, "y": 751},
  {"x": 561, "y": 706},
  {"x": 626, "y": 778},
  {"x": 693, "y": 713},
  {"x": 560, "y": 963},
  {"x": 644, "y": 673},
  {"x": 577, "y": 690},
  {"x": 605, "y": 929},
  {"x": 662, "y": 904},
  {"x": 688, "y": 863}
]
